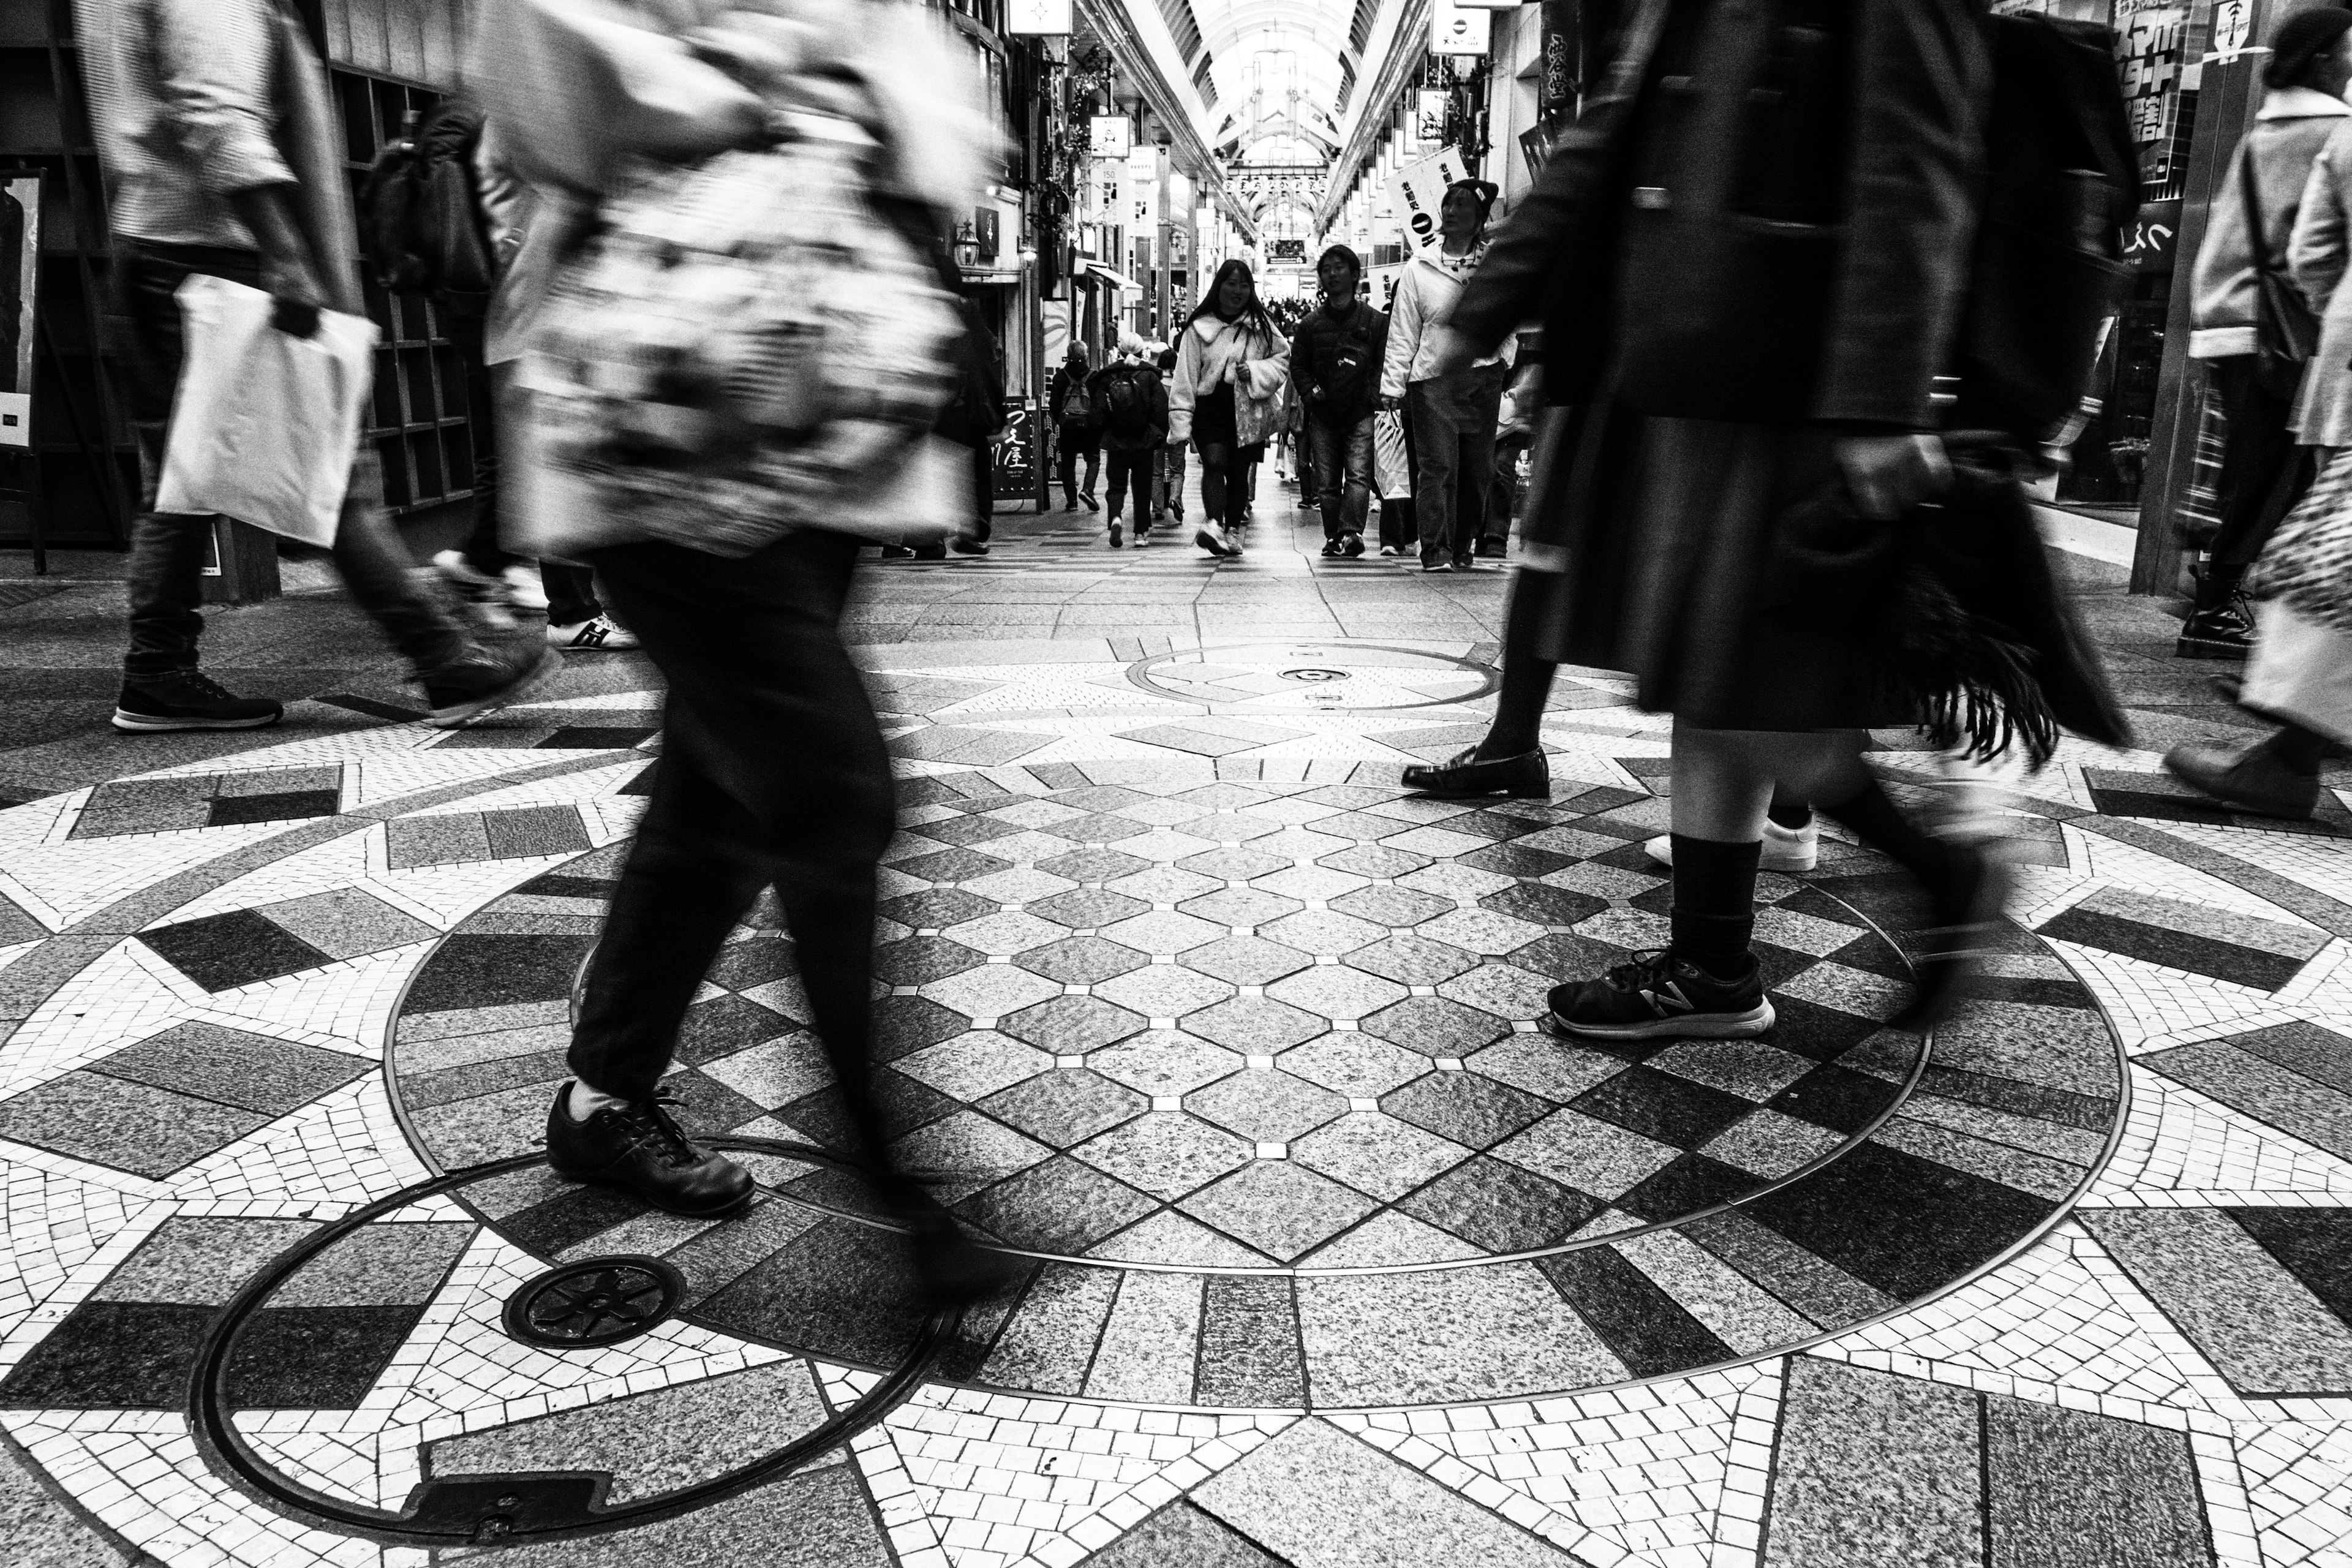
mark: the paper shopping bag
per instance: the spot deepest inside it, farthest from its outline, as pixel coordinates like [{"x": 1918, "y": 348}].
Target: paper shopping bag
[
  {"x": 1391, "y": 467},
  {"x": 264, "y": 425}
]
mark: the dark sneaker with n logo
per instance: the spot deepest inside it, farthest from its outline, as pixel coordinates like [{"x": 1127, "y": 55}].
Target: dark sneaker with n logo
[
  {"x": 1655, "y": 995},
  {"x": 188, "y": 699}
]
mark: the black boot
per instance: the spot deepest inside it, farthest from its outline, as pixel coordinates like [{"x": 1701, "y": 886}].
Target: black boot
[
  {"x": 1462, "y": 776},
  {"x": 637, "y": 1146},
  {"x": 2221, "y": 626}
]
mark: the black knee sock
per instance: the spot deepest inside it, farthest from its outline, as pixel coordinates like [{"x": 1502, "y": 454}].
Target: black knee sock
[
  {"x": 1787, "y": 811},
  {"x": 1715, "y": 902},
  {"x": 1519, "y": 706},
  {"x": 2298, "y": 749},
  {"x": 1878, "y": 822}
]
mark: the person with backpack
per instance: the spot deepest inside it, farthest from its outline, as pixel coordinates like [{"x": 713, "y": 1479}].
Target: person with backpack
[
  {"x": 1453, "y": 414},
  {"x": 446, "y": 218},
  {"x": 1168, "y": 463},
  {"x": 1224, "y": 397},
  {"x": 1134, "y": 407},
  {"x": 1754, "y": 259},
  {"x": 2241, "y": 292},
  {"x": 735, "y": 569},
  {"x": 1078, "y": 430},
  {"x": 225, "y": 157},
  {"x": 1334, "y": 364}
]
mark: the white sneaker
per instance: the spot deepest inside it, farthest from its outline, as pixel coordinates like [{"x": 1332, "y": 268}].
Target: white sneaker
[
  {"x": 603, "y": 635},
  {"x": 524, "y": 588},
  {"x": 1216, "y": 542},
  {"x": 1785, "y": 849},
  {"x": 1388, "y": 550},
  {"x": 485, "y": 596}
]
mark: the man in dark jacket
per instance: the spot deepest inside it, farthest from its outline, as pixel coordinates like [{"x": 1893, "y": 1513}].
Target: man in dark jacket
[
  {"x": 1131, "y": 406},
  {"x": 1334, "y": 364},
  {"x": 1071, "y": 405}
]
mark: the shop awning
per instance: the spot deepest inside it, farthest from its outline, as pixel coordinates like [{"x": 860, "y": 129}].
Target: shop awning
[{"x": 1111, "y": 275}]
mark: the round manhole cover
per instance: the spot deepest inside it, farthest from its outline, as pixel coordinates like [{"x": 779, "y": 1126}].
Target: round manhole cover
[
  {"x": 1266, "y": 677},
  {"x": 596, "y": 1301}
]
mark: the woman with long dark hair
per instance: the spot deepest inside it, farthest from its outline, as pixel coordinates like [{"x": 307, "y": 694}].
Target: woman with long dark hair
[{"x": 1232, "y": 365}]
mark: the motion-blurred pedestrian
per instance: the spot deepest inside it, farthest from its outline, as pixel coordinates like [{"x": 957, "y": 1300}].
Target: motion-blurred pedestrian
[{"x": 1453, "y": 409}]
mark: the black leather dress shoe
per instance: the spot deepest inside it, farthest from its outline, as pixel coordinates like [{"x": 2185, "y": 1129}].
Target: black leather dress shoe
[
  {"x": 1527, "y": 776},
  {"x": 638, "y": 1147}
]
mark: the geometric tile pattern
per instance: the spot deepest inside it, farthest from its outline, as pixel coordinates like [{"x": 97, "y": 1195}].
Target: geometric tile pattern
[{"x": 1345, "y": 1265}]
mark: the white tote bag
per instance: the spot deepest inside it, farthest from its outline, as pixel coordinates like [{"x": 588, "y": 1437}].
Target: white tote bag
[
  {"x": 1391, "y": 468},
  {"x": 264, "y": 425}
]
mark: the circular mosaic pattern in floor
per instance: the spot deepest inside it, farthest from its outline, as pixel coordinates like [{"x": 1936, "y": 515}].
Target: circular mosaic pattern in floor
[
  {"x": 1270, "y": 1048},
  {"x": 1312, "y": 678}
]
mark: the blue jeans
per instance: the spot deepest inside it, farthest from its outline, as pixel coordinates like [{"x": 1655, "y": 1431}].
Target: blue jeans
[
  {"x": 1453, "y": 420},
  {"x": 167, "y": 549},
  {"x": 1342, "y": 455}
]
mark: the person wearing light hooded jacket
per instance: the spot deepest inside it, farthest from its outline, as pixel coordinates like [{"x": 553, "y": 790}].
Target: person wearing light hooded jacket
[{"x": 1454, "y": 416}]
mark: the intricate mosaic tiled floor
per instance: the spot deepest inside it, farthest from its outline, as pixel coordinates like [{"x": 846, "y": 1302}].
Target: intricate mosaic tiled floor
[{"x": 1329, "y": 1255}]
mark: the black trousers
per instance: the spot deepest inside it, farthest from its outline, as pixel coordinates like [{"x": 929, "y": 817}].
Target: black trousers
[
  {"x": 167, "y": 549},
  {"x": 2264, "y": 472},
  {"x": 772, "y": 774},
  {"x": 984, "y": 492},
  {"x": 1072, "y": 445},
  {"x": 1131, "y": 475},
  {"x": 571, "y": 590}
]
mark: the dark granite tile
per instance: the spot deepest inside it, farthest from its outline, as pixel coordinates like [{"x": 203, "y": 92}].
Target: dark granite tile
[
  {"x": 1374, "y": 860},
  {"x": 2086, "y": 1112},
  {"x": 1081, "y": 960},
  {"x": 743, "y": 964},
  {"x": 597, "y": 737},
  {"x": 1249, "y": 1349},
  {"x": 1501, "y": 1207},
  {"x": 129, "y": 1126},
  {"x": 1087, "y": 908},
  {"x": 1645, "y": 1328},
  {"x": 905, "y": 1025},
  {"x": 919, "y": 960},
  {"x": 485, "y": 969},
  {"x": 252, "y": 1072},
  {"x": 569, "y": 884},
  {"x": 1902, "y": 1224},
  {"x": 952, "y": 866},
  {"x": 290, "y": 805},
  {"x": 423, "y": 1091},
  {"x": 1521, "y": 860},
  {"x": 1093, "y": 865},
  {"x": 2174, "y": 950},
  {"x": 2255, "y": 1320},
  {"x": 2313, "y": 1244},
  {"x": 108, "y": 1355},
  {"x": 1048, "y": 1342},
  {"x": 966, "y": 831},
  {"x": 1660, "y": 1105},
  {"x": 570, "y": 1217},
  {"x": 1686, "y": 1185},
  {"x": 2033, "y": 992},
  {"x": 725, "y": 1025},
  {"x": 436, "y": 840},
  {"x": 2262, "y": 1089},
  {"x": 1809, "y": 899},
  {"x": 1563, "y": 956},
  {"x": 1876, "y": 1469},
  {"x": 935, "y": 908},
  {"x": 531, "y": 830},
  {"x": 1254, "y": 1024},
  {"x": 706, "y": 1107},
  {"x": 2065, "y": 1488},
  {"x": 1065, "y": 1107},
  {"x": 1872, "y": 955},
  {"x": 222, "y": 952},
  {"x": 1837, "y": 1098},
  {"x": 1469, "y": 1108},
  {"x": 1434, "y": 1025},
  {"x": 838, "y": 1289},
  {"x": 1807, "y": 1283},
  {"x": 1183, "y": 1536},
  {"x": 1601, "y": 797},
  {"x": 1061, "y": 1205},
  {"x": 1072, "y": 1026},
  {"x": 327, "y": 1358},
  {"x": 2320, "y": 1054},
  {"x": 715, "y": 1258},
  {"x": 1542, "y": 904}
]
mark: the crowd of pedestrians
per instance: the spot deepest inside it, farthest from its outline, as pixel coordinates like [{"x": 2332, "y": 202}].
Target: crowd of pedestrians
[{"x": 1733, "y": 431}]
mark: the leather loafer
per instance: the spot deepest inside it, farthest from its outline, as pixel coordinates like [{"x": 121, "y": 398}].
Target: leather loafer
[
  {"x": 637, "y": 1147},
  {"x": 1527, "y": 776},
  {"x": 2251, "y": 780}
]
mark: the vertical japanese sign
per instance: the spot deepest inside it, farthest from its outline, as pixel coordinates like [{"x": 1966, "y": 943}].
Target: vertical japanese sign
[
  {"x": 2151, "y": 48},
  {"x": 1415, "y": 190},
  {"x": 20, "y": 250}
]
